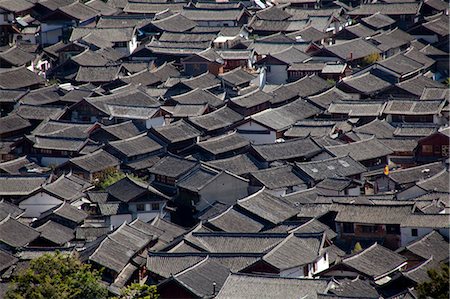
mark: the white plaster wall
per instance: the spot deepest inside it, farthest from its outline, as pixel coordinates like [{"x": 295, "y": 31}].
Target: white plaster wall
[
  {"x": 322, "y": 263},
  {"x": 132, "y": 45},
  {"x": 117, "y": 220},
  {"x": 277, "y": 75},
  {"x": 406, "y": 235},
  {"x": 154, "y": 122},
  {"x": 257, "y": 138}
]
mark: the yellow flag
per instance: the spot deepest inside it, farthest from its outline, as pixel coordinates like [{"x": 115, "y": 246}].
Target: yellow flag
[{"x": 386, "y": 170}]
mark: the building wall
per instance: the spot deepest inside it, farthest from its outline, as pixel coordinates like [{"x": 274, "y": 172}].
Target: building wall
[
  {"x": 118, "y": 220},
  {"x": 31, "y": 38},
  {"x": 148, "y": 214},
  {"x": 299, "y": 272},
  {"x": 407, "y": 237},
  {"x": 194, "y": 69},
  {"x": 435, "y": 146},
  {"x": 406, "y": 234},
  {"x": 383, "y": 184},
  {"x": 132, "y": 45},
  {"x": 280, "y": 191},
  {"x": 36, "y": 204},
  {"x": 322, "y": 263},
  {"x": 51, "y": 33},
  {"x": 154, "y": 122},
  {"x": 224, "y": 188},
  {"x": 276, "y": 74},
  {"x": 354, "y": 191},
  {"x": 6, "y": 18},
  {"x": 429, "y": 38},
  {"x": 256, "y": 133},
  {"x": 46, "y": 161},
  {"x": 211, "y": 23},
  {"x": 391, "y": 240}
]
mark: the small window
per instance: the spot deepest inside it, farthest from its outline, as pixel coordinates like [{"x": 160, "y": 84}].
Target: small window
[
  {"x": 414, "y": 232},
  {"x": 393, "y": 229},
  {"x": 368, "y": 229},
  {"x": 349, "y": 228},
  {"x": 120, "y": 44},
  {"x": 155, "y": 206},
  {"x": 46, "y": 151},
  {"x": 427, "y": 148},
  {"x": 140, "y": 207}
]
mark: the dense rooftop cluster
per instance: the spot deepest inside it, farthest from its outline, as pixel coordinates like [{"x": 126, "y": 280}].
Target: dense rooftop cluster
[{"x": 256, "y": 144}]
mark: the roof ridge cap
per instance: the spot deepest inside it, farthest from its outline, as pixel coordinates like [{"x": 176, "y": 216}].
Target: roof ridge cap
[
  {"x": 193, "y": 266},
  {"x": 251, "y": 195}
]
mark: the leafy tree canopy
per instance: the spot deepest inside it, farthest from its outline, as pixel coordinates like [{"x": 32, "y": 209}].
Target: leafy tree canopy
[
  {"x": 57, "y": 276},
  {"x": 357, "y": 248},
  {"x": 438, "y": 286},
  {"x": 372, "y": 58},
  {"x": 137, "y": 291},
  {"x": 110, "y": 176}
]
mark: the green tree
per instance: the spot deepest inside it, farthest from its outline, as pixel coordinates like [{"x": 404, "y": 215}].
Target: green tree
[
  {"x": 438, "y": 285},
  {"x": 372, "y": 58},
  {"x": 357, "y": 248},
  {"x": 331, "y": 82},
  {"x": 108, "y": 177},
  {"x": 57, "y": 276},
  {"x": 112, "y": 175},
  {"x": 447, "y": 82},
  {"x": 137, "y": 291}
]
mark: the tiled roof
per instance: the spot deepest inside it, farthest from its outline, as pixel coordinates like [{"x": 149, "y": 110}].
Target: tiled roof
[
  {"x": 375, "y": 261},
  {"x": 248, "y": 286},
  {"x": 96, "y": 161},
  {"x": 344, "y": 166},
  {"x": 268, "y": 207},
  {"x": 225, "y": 143},
  {"x": 278, "y": 177},
  {"x": 361, "y": 150},
  {"x": 287, "y": 150}
]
